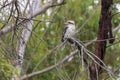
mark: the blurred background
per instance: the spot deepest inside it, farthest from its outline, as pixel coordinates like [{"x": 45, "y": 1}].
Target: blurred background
[{"x": 43, "y": 47}]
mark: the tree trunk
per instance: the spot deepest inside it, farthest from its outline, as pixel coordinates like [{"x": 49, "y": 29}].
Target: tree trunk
[
  {"x": 105, "y": 32},
  {"x": 24, "y": 38}
]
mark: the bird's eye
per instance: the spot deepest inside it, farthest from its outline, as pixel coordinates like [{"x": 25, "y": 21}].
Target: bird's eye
[{"x": 70, "y": 22}]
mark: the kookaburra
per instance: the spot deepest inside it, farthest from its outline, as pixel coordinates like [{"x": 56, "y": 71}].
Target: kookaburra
[{"x": 69, "y": 30}]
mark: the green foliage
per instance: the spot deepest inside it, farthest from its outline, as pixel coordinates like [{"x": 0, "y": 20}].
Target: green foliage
[
  {"x": 5, "y": 68},
  {"x": 46, "y": 36}
]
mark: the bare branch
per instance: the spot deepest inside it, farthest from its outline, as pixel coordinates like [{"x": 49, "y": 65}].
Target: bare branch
[
  {"x": 59, "y": 63},
  {"x": 37, "y": 12},
  {"x": 49, "y": 68}
]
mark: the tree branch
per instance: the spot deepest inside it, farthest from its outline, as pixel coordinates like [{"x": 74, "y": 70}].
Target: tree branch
[
  {"x": 40, "y": 11},
  {"x": 49, "y": 68},
  {"x": 60, "y": 63}
]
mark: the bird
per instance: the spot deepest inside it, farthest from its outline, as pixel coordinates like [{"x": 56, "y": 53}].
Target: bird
[
  {"x": 69, "y": 31},
  {"x": 69, "y": 35}
]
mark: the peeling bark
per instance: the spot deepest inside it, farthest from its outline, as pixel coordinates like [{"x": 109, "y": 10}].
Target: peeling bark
[{"x": 105, "y": 32}]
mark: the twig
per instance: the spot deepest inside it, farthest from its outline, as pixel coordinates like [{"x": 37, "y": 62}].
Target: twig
[
  {"x": 49, "y": 68},
  {"x": 40, "y": 11},
  {"x": 54, "y": 66}
]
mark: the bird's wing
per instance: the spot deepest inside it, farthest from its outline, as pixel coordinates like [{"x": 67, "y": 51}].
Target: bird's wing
[{"x": 63, "y": 34}]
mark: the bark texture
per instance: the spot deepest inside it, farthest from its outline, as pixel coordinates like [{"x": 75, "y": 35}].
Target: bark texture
[
  {"x": 24, "y": 38},
  {"x": 104, "y": 32}
]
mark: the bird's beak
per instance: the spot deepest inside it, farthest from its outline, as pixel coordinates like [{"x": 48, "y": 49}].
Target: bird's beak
[{"x": 65, "y": 23}]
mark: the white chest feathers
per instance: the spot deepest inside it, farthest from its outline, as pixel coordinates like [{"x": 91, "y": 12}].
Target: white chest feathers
[{"x": 70, "y": 32}]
